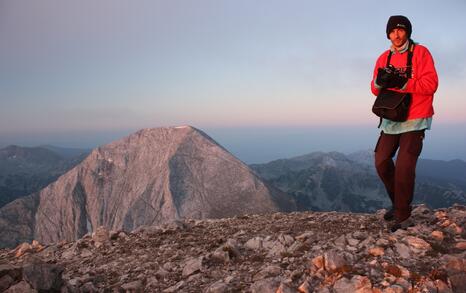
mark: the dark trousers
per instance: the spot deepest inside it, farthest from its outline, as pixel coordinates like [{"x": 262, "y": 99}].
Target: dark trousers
[{"x": 399, "y": 177}]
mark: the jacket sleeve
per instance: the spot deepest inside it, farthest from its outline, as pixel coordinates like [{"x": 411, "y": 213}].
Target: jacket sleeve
[
  {"x": 374, "y": 87},
  {"x": 425, "y": 79}
]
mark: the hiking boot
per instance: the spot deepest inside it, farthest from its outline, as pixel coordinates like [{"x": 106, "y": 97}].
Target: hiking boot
[
  {"x": 402, "y": 225},
  {"x": 390, "y": 215}
]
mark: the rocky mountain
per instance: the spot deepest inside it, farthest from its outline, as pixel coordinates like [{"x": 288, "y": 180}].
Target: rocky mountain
[
  {"x": 24, "y": 170},
  {"x": 269, "y": 253},
  {"x": 151, "y": 177},
  {"x": 334, "y": 181}
]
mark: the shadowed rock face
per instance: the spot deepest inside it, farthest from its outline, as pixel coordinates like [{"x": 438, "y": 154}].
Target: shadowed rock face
[{"x": 153, "y": 176}]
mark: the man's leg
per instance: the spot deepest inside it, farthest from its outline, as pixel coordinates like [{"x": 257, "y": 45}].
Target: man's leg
[
  {"x": 405, "y": 172},
  {"x": 384, "y": 151}
]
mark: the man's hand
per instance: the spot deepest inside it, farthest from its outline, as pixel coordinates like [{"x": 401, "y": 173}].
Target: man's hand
[{"x": 389, "y": 77}]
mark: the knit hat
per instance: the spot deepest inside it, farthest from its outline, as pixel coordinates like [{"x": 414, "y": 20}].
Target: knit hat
[{"x": 399, "y": 21}]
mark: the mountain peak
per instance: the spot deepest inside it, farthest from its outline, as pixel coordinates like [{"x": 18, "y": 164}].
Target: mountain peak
[{"x": 153, "y": 176}]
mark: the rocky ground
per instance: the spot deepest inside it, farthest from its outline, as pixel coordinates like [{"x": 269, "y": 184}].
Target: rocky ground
[{"x": 279, "y": 252}]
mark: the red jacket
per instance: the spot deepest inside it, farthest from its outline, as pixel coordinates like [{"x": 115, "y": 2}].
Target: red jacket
[{"x": 422, "y": 85}]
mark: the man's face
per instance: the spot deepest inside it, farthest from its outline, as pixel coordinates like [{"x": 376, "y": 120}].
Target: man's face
[{"x": 398, "y": 37}]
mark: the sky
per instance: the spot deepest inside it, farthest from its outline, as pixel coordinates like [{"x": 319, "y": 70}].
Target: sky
[{"x": 267, "y": 79}]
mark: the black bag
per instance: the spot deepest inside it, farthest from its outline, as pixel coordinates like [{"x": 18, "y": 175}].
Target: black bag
[{"x": 394, "y": 105}]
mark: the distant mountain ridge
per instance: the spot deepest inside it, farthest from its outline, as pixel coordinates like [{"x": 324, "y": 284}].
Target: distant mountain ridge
[
  {"x": 24, "y": 170},
  {"x": 150, "y": 177},
  {"x": 334, "y": 181}
]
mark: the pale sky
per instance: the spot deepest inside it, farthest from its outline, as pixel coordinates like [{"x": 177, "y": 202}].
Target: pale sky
[{"x": 105, "y": 66}]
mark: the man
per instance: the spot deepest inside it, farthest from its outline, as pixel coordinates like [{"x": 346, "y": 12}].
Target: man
[{"x": 406, "y": 137}]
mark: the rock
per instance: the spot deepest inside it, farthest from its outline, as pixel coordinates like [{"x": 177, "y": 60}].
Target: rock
[
  {"x": 442, "y": 287},
  {"x": 176, "y": 287},
  {"x": 284, "y": 288},
  {"x": 43, "y": 276},
  {"x": 318, "y": 262},
  {"x": 254, "y": 243},
  {"x": 232, "y": 247},
  {"x": 135, "y": 286},
  {"x": 458, "y": 282},
  {"x": 461, "y": 245},
  {"x": 403, "y": 250},
  {"x": 285, "y": 239},
  {"x": 304, "y": 236},
  {"x": 13, "y": 271},
  {"x": 277, "y": 249},
  {"x": 305, "y": 287},
  {"x": 21, "y": 287},
  {"x": 394, "y": 289},
  {"x": 5, "y": 282},
  {"x": 192, "y": 266},
  {"x": 217, "y": 287},
  {"x": 340, "y": 241},
  {"x": 334, "y": 261},
  {"x": 417, "y": 244},
  {"x": 269, "y": 271},
  {"x": 376, "y": 251},
  {"x": 356, "y": 284},
  {"x": 437, "y": 235},
  {"x": 269, "y": 285},
  {"x": 22, "y": 249},
  {"x": 100, "y": 236}
]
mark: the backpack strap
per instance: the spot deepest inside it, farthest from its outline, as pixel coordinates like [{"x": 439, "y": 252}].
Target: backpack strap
[{"x": 409, "y": 63}]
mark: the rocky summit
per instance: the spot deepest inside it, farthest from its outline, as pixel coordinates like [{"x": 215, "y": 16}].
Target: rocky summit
[
  {"x": 151, "y": 177},
  {"x": 274, "y": 252}
]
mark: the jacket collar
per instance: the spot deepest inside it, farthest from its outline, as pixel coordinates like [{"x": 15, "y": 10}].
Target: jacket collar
[{"x": 404, "y": 48}]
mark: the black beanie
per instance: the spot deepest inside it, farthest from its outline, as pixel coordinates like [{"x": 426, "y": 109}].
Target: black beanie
[{"x": 399, "y": 21}]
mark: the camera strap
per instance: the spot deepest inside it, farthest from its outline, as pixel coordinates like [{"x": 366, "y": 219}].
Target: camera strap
[{"x": 410, "y": 58}]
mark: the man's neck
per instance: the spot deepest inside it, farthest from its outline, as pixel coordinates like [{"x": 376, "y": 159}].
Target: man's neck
[{"x": 401, "y": 48}]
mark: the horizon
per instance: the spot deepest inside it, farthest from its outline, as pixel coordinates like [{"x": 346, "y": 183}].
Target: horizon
[
  {"x": 84, "y": 73},
  {"x": 257, "y": 145}
]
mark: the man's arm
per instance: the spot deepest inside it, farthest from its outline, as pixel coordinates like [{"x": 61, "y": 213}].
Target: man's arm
[{"x": 425, "y": 79}]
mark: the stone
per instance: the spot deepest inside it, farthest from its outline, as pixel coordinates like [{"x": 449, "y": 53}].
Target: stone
[
  {"x": 437, "y": 235},
  {"x": 277, "y": 249},
  {"x": 135, "y": 286},
  {"x": 403, "y": 250},
  {"x": 356, "y": 284},
  {"x": 334, "y": 260},
  {"x": 284, "y": 288},
  {"x": 304, "y": 236},
  {"x": 458, "y": 282},
  {"x": 461, "y": 245},
  {"x": 268, "y": 271},
  {"x": 318, "y": 261},
  {"x": 232, "y": 247},
  {"x": 417, "y": 243},
  {"x": 285, "y": 239},
  {"x": 269, "y": 285},
  {"x": 343, "y": 285},
  {"x": 340, "y": 241},
  {"x": 376, "y": 251},
  {"x": 254, "y": 243},
  {"x": 5, "y": 282},
  {"x": 192, "y": 266},
  {"x": 217, "y": 287},
  {"x": 13, "y": 271},
  {"x": 22, "y": 249},
  {"x": 44, "y": 276},
  {"x": 21, "y": 287},
  {"x": 394, "y": 289},
  {"x": 442, "y": 287},
  {"x": 176, "y": 287},
  {"x": 305, "y": 287}
]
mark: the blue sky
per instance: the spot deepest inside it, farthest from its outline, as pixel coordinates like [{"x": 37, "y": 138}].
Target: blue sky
[{"x": 81, "y": 73}]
